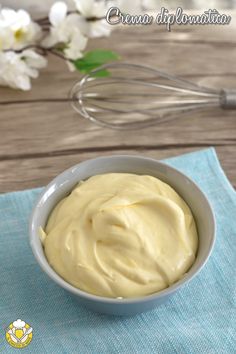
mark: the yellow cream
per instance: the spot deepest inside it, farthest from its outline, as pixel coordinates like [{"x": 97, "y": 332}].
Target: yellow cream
[{"x": 121, "y": 235}]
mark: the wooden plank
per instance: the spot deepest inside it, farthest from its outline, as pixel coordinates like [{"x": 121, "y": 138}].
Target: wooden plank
[
  {"x": 42, "y": 129},
  {"x": 177, "y": 52},
  {"x": 34, "y": 172},
  {"x": 40, "y": 139}
]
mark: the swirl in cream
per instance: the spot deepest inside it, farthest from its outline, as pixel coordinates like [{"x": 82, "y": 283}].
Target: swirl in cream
[{"x": 121, "y": 235}]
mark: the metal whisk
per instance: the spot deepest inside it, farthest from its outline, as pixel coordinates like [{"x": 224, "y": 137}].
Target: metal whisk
[{"x": 131, "y": 96}]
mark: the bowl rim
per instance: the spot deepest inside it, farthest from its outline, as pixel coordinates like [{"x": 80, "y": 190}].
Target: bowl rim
[{"x": 102, "y": 299}]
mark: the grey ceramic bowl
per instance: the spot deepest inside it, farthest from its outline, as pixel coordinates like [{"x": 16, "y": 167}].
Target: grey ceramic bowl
[{"x": 65, "y": 182}]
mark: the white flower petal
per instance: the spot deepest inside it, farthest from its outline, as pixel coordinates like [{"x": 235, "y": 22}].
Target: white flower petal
[
  {"x": 99, "y": 29},
  {"x": 62, "y": 33},
  {"x": 57, "y": 13},
  {"x": 92, "y": 8},
  {"x": 130, "y": 7},
  {"x": 100, "y": 9},
  {"x": 22, "y": 19},
  {"x": 22, "y": 82},
  {"x": 7, "y": 17},
  {"x": 83, "y": 25},
  {"x": 17, "y": 30},
  {"x": 70, "y": 66},
  {"x": 79, "y": 39},
  {"x": 76, "y": 46},
  {"x": 85, "y": 7},
  {"x": 16, "y": 69},
  {"x": 14, "y": 19},
  {"x": 49, "y": 41},
  {"x": 150, "y": 4},
  {"x": 73, "y": 53},
  {"x": 34, "y": 59},
  {"x": 30, "y": 72},
  {"x": 74, "y": 20},
  {"x": 6, "y": 39}
]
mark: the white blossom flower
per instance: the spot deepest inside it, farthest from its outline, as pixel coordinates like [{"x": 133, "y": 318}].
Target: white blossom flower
[
  {"x": 91, "y": 9},
  {"x": 16, "y": 69},
  {"x": 151, "y": 4},
  {"x": 65, "y": 29},
  {"x": 129, "y": 6},
  {"x": 134, "y": 7},
  {"x": 17, "y": 29}
]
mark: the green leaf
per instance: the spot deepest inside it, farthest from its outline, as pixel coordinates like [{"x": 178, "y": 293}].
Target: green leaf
[
  {"x": 101, "y": 73},
  {"x": 85, "y": 67},
  {"x": 94, "y": 59},
  {"x": 100, "y": 56}
]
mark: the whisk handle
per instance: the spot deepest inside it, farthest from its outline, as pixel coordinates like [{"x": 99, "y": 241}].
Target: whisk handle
[{"x": 228, "y": 99}]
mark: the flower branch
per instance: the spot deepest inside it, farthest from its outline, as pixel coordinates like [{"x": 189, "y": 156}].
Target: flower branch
[
  {"x": 45, "y": 21},
  {"x": 25, "y": 43}
]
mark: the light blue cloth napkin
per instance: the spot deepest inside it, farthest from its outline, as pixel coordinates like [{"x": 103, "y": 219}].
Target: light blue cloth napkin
[{"x": 200, "y": 318}]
